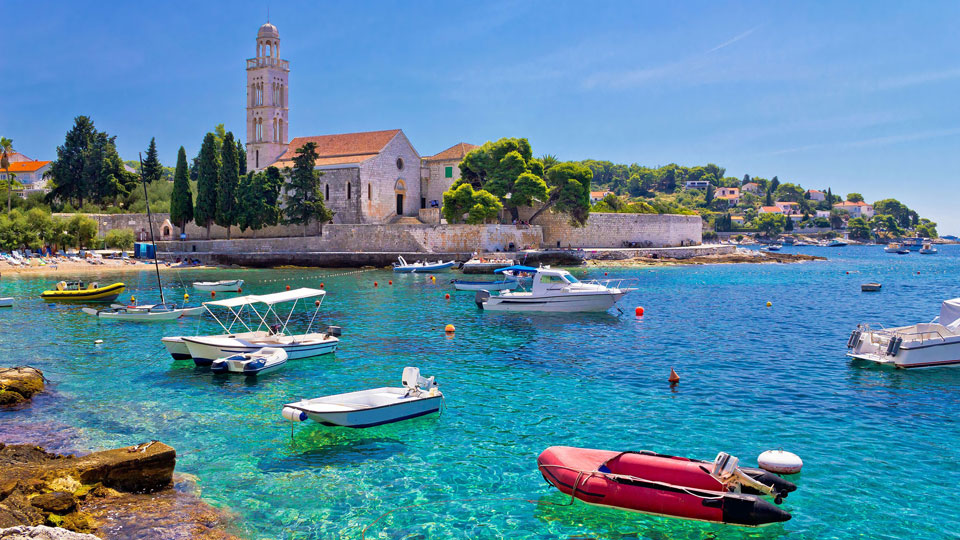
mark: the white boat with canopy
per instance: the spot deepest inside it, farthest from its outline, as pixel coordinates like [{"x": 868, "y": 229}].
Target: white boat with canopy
[
  {"x": 932, "y": 344},
  {"x": 557, "y": 290},
  {"x": 205, "y": 349},
  {"x": 367, "y": 408}
]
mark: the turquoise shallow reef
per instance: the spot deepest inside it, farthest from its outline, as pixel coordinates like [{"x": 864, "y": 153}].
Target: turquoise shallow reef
[{"x": 880, "y": 446}]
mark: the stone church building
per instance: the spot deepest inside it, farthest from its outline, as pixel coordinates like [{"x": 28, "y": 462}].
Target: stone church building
[{"x": 369, "y": 177}]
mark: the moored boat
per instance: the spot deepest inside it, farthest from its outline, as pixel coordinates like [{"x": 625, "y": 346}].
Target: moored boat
[
  {"x": 421, "y": 266},
  {"x": 367, "y": 408},
  {"x": 870, "y": 287},
  {"x": 836, "y": 243},
  {"x": 265, "y": 360},
  {"x": 224, "y": 285},
  {"x": 75, "y": 291},
  {"x": 719, "y": 492},
  {"x": 6, "y": 301},
  {"x": 892, "y": 247},
  {"x": 930, "y": 344},
  {"x": 928, "y": 249},
  {"x": 556, "y": 290},
  {"x": 464, "y": 285}
]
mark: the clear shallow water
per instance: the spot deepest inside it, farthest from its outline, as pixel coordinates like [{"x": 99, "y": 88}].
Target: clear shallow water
[{"x": 880, "y": 446}]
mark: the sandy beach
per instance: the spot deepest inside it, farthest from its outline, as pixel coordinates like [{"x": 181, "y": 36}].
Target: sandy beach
[{"x": 72, "y": 268}]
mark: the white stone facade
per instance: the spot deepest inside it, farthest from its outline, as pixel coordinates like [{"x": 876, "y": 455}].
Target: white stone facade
[
  {"x": 267, "y": 101},
  {"x": 390, "y": 182}
]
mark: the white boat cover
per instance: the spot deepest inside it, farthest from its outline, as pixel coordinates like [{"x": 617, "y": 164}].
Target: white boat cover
[
  {"x": 269, "y": 299},
  {"x": 950, "y": 313}
]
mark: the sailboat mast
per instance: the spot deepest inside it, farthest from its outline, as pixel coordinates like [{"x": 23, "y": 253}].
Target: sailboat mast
[{"x": 146, "y": 199}]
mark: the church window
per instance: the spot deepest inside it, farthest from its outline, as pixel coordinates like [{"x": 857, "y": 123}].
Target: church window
[
  {"x": 326, "y": 195},
  {"x": 369, "y": 192},
  {"x": 257, "y": 159},
  {"x": 448, "y": 172},
  {"x": 348, "y": 190},
  {"x": 280, "y": 137},
  {"x": 400, "y": 163}
]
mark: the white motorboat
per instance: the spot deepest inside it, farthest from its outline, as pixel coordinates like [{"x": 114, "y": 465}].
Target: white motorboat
[
  {"x": 367, "y": 408},
  {"x": 558, "y": 291},
  {"x": 6, "y": 301},
  {"x": 224, "y": 285},
  {"x": 928, "y": 249},
  {"x": 143, "y": 313},
  {"x": 205, "y": 349},
  {"x": 263, "y": 361},
  {"x": 179, "y": 351},
  {"x": 892, "y": 247},
  {"x": 421, "y": 266},
  {"x": 930, "y": 344}
]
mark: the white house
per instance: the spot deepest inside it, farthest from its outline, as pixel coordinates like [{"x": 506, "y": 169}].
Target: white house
[
  {"x": 696, "y": 184},
  {"x": 856, "y": 209},
  {"x": 816, "y": 195}
]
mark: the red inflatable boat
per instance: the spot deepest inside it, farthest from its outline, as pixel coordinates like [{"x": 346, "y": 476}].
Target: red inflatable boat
[{"x": 719, "y": 492}]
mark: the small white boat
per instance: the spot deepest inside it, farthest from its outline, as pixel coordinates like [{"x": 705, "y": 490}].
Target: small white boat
[
  {"x": 892, "y": 247},
  {"x": 928, "y": 249},
  {"x": 773, "y": 247},
  {"x": 505, "y": 285},
  {"x": 179, "y": 351},
  {"x": 263, "y": 361},
  {"x": 836, "y": 243},
  {"x": 144, "y": 313},
  {"x": 421, "y": 266},
  {"x": 6, "y": 301},
  {"x": 870, "y": 287},
  {"x": 930, "y": 344},
  {"x": 224, "y": 285},
  {"x": 205, "y": 349},
  {"x": 367, "y": 408},
  {"x": 557, "y": 291}
]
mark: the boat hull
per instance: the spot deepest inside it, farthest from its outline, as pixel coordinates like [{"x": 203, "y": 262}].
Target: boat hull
[
  {"x": 244, "y": 365},
  {"x": 135, "y": 315},
  {"x": 329, "y": 415},
  {"x": 568, "y": 303},
  {"x": 225, "y": 286},
  {"x": 6, "y": 302},
  {"x": 177, "y": 347},
  {"x": 932, "y": 352},
  {"x": 652, "y": 484},
  {"x": 204, "y": 350},
  {"x": 100, "y": 294},
  {"x": 423, "y": 269}
]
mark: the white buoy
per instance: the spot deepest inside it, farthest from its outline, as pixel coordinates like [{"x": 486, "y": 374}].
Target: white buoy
[
  {"x": 780, "y": 462},
  {"x": 293, "y": 415},
  {"x": 98, "y": 342}
]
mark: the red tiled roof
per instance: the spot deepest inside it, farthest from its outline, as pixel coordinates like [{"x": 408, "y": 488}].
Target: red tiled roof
[
  {"x": 342, "y": 148},
  {"x": 849, "y": 203},
  {"x": 27, "y": 166},
  {"x": 770, "y": 210},
  {"x": 599, "y": 194},
  {"x": 456, "y": 151}
]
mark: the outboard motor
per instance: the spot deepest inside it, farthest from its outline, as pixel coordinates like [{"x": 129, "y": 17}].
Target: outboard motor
[
  {"x": 727, "y": 471},
  {"x": 334, "y": 331},
  {"x": 481, "y": 297},
  {"x": 413, "y": 382}
]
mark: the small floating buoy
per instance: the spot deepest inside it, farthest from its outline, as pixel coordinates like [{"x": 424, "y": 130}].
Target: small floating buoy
[
  {"x": 213, "y": 294},
  {"x": 639, "y": 311},
  {"x": 434, "y": 278},
  {"x": 239, "y": 289},
  {"x": 98, "y": 342},
  {"x": 293, "y": 415},
  {"x": 288, "y": 287},
  {"x": 390, "y": 282},
  {"x": 769, "y": 304},
  {"x": 918, "y": 272},
  {"x": 133, "y": 299},
  {"x": 848, "y": 273},
  {"x": 674, "y": 378},
  {"x": 186, "y": 296},
  {"x": 780, "y": 462},
  {"x": 375, "y": 284},
  {"x": 604, "y": 273},
  {"x": 316, "y": 303},
  {"x": 449, "y": 329},
  {"x": 321, "y": 285},
  {"x": 447, "y": 296}
]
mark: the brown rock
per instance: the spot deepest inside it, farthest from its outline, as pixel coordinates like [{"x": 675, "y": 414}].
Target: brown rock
[
  {"x": 142, "y": 468},
  {"x": 58, "y": 502},
  {"x": 19, "y": 384}
]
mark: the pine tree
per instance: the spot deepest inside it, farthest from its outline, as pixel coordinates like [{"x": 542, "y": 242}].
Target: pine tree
[
  {"x": 229, "y": 181},
  {"x": 181, "y": 200},
  {"x": 241, "y": 158},
  {"x": 208, "y": 173},
  {"x": 152, "y": 169},
  {"x": 303, "y": 199}
]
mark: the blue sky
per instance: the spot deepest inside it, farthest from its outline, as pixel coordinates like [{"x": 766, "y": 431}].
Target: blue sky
[{"x": 858, "y": 96}]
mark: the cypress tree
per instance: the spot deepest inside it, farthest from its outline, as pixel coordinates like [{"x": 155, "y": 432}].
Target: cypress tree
[
  {"x": 152, "y": 169},
  {"x": 208, "y": 173},
  {"x": 181, "y": 200},
  {"x": 229, "y": 181},
  {"x": 241, "y": 158},
  {"x": 304, "y": 201}
]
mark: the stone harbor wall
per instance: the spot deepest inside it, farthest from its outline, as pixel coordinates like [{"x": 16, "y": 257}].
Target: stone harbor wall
[
  {"x": 166, "y": 231},
  {"x": 621, "y": 230}
]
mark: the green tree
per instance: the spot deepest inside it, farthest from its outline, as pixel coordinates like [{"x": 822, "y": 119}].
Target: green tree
[
  {"x": 858, "y": 228},
  {"x": 708, "y": 198},
  {"x": 181, "y": 200},
  {"x": 927, "y": 228},
  {"x": 854, "y": 197},
  {"x": 303, "y": 199},
  {"x": 88, "y": 167},
  {"x": 478, "y": 205},
  {"x": 485, "y": 207},
  {"x": 67, "y": 170},
  {"x": 771, "y": 224},
  {"x": 549, "y": 161},
  {"x": 208, "y": 173},
  {"x": 836, "y": 218},
  {"x": 789, "y": 192},
  {"x": 82, "y": 230},
  {"x": 259, "y": 199},
  {"x": 152, "y": 168},
  {"x": 569, "y": 192},
  {"x": 119, "y": 239},
  {"x": 227, "y": 185},
  {"x": 241, "y": 158},
  {"x": 6, "y": 148},
  {"x": 497, "y": 166}
]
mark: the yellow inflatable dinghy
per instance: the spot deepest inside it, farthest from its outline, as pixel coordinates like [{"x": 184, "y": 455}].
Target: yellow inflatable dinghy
[{"x": 74, "y": 291}]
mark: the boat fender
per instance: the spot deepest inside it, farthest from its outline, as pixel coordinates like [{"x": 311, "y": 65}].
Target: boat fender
[
  {"x": 780, "y": 462},
  {"x": 293, "y": 415},
  {"x": 854, "y": 339},
  {"x": 893, "y": 347}
]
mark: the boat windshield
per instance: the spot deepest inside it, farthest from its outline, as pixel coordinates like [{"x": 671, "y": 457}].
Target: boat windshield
[{"x": 570, "y": 278}]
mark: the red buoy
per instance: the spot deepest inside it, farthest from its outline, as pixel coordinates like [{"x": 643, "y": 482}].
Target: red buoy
[
  {"x": 604, "y": 273},
  {"x": 639, "y": 311},
  {"x": 447, "y": 296},
  {"x": 321, "y": 285},
  {"x": 316, "y": 303},
  {"x": 674, "y": 378},
  {"x": 213, "y": 294},
  {"x": 390, "y": 282},
  {"x": 288, "y": 287},
  {"x": 375, "y": 284},
  {"x": 240, "y": 289}
]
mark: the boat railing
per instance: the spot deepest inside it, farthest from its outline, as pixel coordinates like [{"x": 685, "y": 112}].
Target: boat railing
[
  {"x": 919, "y": 335},
  {"x": 613, "y": 283}
]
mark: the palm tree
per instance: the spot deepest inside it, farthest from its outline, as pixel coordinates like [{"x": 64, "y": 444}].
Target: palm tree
[{"x": 6, "y": 148}]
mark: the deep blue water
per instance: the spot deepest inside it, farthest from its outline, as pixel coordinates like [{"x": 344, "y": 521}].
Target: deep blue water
[{"x": 880, "y": 446}]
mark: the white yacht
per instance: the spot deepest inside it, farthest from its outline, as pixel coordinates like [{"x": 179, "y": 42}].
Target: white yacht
[
  {"x": 558, "y": 291},
  {"x": 930, "y": 344}
]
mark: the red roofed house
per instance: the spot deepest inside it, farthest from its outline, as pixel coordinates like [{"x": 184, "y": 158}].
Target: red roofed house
[
  {"x": 770, "y": 210},
  {"x": 788, "y": 207},
  {"x": 369, "y": 177},
  {"x": 28, "y": 173},
  {"x": 817, "y": 195},
  {"x": 596, "y": 196},
  {"x": 729, "y": 194},
  {"x": 856, "y": 209},
  {"x": 439, "y": 171}
]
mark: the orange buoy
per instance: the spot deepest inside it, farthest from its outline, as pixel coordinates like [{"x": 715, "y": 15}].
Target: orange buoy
[
  {"x": 449, "y": 329},
  {"x": 390, "y": 282},
  {"x": 375, "y": 284},
  {"x": 447, "y": 296},
  {"x": 639, "y": 311},
  {"x": 316, "y": 303},
  {"x": 321, "y": 285},
  {"x": 288, "y": 287},
  {"x": 769, "y": 304},
  {"x": 213, "y": 294},
  {"x": 239, "y": 289},
  {"x": 674, "y": 378}
]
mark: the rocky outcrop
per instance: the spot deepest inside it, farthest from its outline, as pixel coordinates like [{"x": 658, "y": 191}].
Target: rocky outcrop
[
  {"x": 19, "y": 384},
  {"x": 42, "y": 532}
]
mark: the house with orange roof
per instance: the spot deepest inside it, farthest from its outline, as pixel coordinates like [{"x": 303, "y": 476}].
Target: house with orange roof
[
  {"x": 816, "y": 195},
  {"x": 30, "y": 173},
  {"x": 856, "y": 209},
  {"x": 729, "y": 194},
  {"x": 751, "y": 187},
  {"x": 439, "y": 171},
  {"x": 596, "y": 196},
  {"x": 770, "y": 210},
  {"x": 788, "y": 207}
]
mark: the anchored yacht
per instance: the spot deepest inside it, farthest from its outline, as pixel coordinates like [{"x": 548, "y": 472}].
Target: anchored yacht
[
  {"x": 932, "y": 344},
  {"x": 558, "y": 291}
]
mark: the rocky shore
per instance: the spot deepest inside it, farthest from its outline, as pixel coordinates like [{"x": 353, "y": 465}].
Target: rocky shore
[
  {"x": 129, "y": 492},
  {"x": 739, "y": 256}
]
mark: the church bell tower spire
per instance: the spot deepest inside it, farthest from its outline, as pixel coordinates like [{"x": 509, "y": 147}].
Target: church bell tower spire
[{"x": 267, "y": 101}]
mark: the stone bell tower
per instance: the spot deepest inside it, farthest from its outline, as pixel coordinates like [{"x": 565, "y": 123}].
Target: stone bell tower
[{"x": 267, "y": 101}]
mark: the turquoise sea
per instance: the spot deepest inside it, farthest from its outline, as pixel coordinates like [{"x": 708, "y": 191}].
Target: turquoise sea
[{"x": 880, "y": 446}]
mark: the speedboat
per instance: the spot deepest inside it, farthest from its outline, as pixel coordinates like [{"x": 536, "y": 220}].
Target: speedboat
[
  {"x": 420, "y": 266},
  {"x": 504, "y": 285},
  {"x": 836, "y": 243},
  {"x": 75, "y": 291},
  {"x": 179, "y": 351},
  {"x": 651, "y": 483},
  {"x": 205, "y": 349},
  {"x": 558, "y": 291},
  {"x": 224, "y": 285},
  {"x": 773, "y": 247},
  {"x": 936, "y": 343},
  {"x": 263, "y": 361},
  {"x": 893, "y": 247},
  {"x": 903, "y": 251},
  {"x": 913, "y": 244},
  {"x": 928, "y": 249},
  {"x": 367, "y": 408}
]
